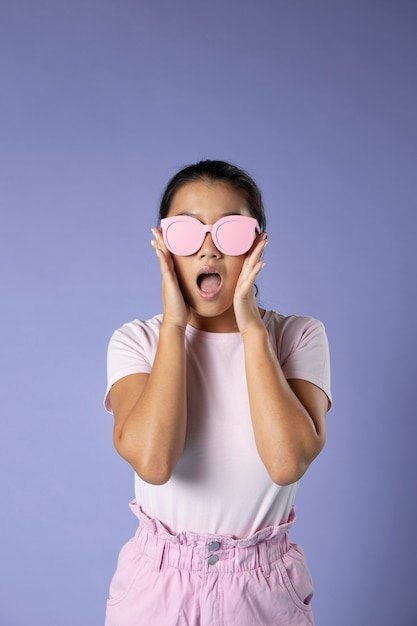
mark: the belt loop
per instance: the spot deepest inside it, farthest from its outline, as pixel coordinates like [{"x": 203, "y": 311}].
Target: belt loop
[
  {"x": 160, "y": 556},
  {"x": 263, "y": 558}
]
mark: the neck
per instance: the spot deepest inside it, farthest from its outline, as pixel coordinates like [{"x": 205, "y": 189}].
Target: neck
[{"x": 224, "y": 323}]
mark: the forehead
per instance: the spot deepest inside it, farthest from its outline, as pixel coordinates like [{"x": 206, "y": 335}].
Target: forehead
[{"x": 203, "y": 197}]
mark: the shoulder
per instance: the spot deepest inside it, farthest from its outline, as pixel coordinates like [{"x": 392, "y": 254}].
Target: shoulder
[
  {"x": 131, "y": 350},
  {"x": 138, "y": 331},
  {"x": 135, "y": 340},
  {"x": 297, "y": 337},
  {"x": 302, "y": 348},
  {"x": 292, "y": 327}
]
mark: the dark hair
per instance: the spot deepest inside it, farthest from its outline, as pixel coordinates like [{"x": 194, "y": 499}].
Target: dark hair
[{"x": 213, "y": 171}]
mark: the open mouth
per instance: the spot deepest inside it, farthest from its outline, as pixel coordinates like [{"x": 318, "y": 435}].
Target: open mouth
[{"x": 209, "y": 283}]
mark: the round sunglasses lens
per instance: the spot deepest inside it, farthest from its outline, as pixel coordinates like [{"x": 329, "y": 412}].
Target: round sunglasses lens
[
  {"x": 235, "y": 237},
  {"x": 183, "y": 237}
]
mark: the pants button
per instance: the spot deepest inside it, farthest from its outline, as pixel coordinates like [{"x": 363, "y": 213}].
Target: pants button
[
  {"x": 212, "y": 560},
  {"x": 213, "y": 545}
]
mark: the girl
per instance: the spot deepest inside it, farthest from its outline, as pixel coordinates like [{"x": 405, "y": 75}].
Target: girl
[{"x": 220, "y": 408}]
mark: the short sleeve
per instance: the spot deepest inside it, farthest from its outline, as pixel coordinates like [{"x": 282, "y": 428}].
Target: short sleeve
[
  {"x": 131, "y": 350},
  {"x": 304, "y": 352}
]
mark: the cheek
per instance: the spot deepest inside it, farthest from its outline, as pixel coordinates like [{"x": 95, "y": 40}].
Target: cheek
[
  {"x": 236, "y": 269},
  {"x": 232, "y": 275},
  {"x": 177, "y": 266},
  {"x": 182, "y": 271}
]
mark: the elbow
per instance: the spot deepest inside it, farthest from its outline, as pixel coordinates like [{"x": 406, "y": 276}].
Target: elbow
[
  {"x": 285, "y": 474},
  {"x": 152, "y": 468},
  {"x": 153, "y": 473},
  {"x": 288, "y": 470}
]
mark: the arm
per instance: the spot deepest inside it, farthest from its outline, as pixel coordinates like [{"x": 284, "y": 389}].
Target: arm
[
  {"x": 150, "y": 410},
  {"x": 288, "y": 416}
]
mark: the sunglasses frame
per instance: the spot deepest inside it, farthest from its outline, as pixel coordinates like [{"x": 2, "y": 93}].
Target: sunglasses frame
[{"x": 251, "y": 222}]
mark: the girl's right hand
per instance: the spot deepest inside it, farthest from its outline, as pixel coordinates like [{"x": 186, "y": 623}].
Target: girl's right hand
[{"x": 175, "y": 310}]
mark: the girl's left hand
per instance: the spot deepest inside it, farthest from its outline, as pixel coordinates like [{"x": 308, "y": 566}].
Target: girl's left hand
[{"x": 244, "y": 302}]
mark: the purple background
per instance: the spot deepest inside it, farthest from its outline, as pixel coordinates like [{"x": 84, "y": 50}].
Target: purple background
[{"x": 101, "y": 102}]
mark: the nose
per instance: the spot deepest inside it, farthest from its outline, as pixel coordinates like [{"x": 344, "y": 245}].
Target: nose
[{"x": 208, "y": 248}]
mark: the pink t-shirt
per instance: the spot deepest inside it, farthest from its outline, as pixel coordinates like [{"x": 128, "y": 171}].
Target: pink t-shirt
[{"x": 220, "y": 485}]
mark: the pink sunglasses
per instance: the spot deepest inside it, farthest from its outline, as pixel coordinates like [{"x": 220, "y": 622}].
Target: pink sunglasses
[{"x": 232, "y": 235}]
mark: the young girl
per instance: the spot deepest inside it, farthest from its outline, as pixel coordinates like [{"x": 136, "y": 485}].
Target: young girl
[{"x": 220, "y": 408}]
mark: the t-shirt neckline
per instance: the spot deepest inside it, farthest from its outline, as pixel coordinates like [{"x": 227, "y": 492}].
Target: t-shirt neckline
[{"x": 207, "y": 333}]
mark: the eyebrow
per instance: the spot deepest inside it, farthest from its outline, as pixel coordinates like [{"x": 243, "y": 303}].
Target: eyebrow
[{"x": 195, "y": 214}]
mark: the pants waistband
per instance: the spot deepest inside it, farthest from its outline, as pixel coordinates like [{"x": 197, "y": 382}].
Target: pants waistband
[{"x": 220, "y": 553}]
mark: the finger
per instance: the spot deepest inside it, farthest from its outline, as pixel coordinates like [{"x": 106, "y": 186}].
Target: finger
[
  {"x": 161, "y": 250},
  {"x": 254, "y": 257},
  {"x": 158, "y": 241},
  {"x": 259, "y": 239},
  {"x": 252, "y": 273},
  {"x": 244, "y": 287},
  {"x": 258, "y": 247}
]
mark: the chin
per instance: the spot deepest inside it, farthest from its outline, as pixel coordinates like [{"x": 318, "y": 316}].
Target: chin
[{"x": 212, "y": 312}]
